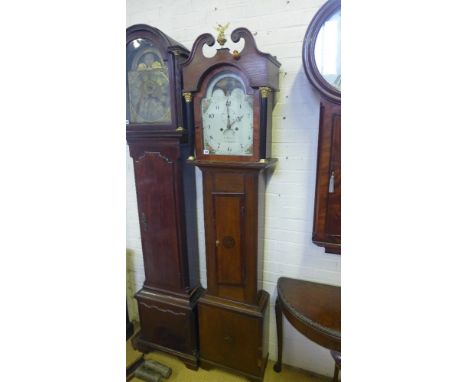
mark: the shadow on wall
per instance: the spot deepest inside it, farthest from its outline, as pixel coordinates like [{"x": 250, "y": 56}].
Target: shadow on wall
[{"x": 131, "y": 287}]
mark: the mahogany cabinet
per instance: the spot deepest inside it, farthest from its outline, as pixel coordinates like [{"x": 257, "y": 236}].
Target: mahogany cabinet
[{"x": 321, "y": 57}]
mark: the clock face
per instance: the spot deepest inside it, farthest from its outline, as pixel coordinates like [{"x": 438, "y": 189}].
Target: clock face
[
  {"x": 148, "y": 84},
  {"x": 227, "y": 117}
]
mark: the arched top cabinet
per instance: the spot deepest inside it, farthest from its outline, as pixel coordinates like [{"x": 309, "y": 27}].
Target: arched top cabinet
[{"x": 321, "y": 57}]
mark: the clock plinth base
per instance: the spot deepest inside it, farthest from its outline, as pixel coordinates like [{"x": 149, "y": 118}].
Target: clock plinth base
[
  {"x": 234, "y": 336},
  {"x": 169, "y": 324},
  {"x": 208, "y": 365}
]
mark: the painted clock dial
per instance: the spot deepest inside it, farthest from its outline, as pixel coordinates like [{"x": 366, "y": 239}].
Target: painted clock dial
[
  {"x": 227, "y": 117},
  {"x": 147, "y": 84}
]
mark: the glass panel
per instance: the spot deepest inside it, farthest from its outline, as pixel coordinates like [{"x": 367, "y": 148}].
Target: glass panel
[
  {"x": 328, "y": 50},
  {"x": 147, "y": 84},
  {"x": 227, "y": 117}
]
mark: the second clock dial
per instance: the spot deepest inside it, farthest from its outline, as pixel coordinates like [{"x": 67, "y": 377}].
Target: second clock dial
[{"x": 227, "y": 117}]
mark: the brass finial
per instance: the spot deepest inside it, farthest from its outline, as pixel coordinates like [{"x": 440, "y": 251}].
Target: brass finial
[{"x": 221, "y": 38}]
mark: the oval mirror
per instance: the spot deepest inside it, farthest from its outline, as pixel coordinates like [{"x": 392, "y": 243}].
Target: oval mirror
[
  {"x": 328, "y": 50},
  {"x": 321, "y": 53}
]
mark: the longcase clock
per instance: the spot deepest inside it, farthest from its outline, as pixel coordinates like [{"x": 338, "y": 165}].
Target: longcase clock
[
  {"x": 159, "y": 144},
  {"x": 229, "y": 99},
  {"x": 321, "y": 56}
]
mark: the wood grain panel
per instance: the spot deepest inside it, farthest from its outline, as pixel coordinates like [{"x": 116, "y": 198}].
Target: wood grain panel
[
  {"x": 155, "y": 184},
  {"x": 229, "y": 226},
  {"x": 229, "y": 182},
  {"x": 223, "y": 339}
]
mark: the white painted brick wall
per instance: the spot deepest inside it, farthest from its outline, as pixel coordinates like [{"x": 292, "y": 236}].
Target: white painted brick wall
[{"x": 279, "y": 27}]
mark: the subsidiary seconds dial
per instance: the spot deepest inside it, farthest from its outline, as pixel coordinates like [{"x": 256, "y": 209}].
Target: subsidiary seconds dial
[{"x": 227, "y": 117}]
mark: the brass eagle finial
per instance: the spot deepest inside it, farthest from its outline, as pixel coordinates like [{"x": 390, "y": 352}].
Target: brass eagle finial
[{"x": 221, "y": 38}]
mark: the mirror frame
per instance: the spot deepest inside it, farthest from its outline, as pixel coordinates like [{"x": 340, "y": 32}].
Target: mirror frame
[{"x": 308, "y": 51}]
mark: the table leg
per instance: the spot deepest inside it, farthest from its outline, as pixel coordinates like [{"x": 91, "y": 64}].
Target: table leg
[
  {"x": 335, "y": 375},
  {"x": 337, "y": 358},
  {"x": 279, "y": 331}
]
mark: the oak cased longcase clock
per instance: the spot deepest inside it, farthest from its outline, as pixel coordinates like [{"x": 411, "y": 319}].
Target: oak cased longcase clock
[
  {"x": 229, "y": 100},
  {"x": 159, "y": 143}
]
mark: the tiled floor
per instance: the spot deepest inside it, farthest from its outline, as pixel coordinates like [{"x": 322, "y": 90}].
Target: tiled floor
[{"x": 181, "y": 374}]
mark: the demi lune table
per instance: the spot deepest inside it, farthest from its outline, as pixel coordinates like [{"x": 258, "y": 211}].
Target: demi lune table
[{"x": 313, "y": 309}]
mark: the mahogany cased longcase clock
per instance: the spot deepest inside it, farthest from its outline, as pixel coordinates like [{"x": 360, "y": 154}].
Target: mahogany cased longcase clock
[
  {"x": 229, "y": 100},
  {"x": 159, "y": 144}
]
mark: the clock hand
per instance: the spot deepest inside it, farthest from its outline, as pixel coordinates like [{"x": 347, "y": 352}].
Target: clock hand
[
  {"x": 229, "y": 124},
  {"x": 228, "y": 102},
  {"x": 238, "y": 119}
]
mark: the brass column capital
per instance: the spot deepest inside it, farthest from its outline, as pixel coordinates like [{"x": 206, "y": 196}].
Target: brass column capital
[
  {"x": 264, "y": 91},
  {"x": 187, "y": 96}
]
